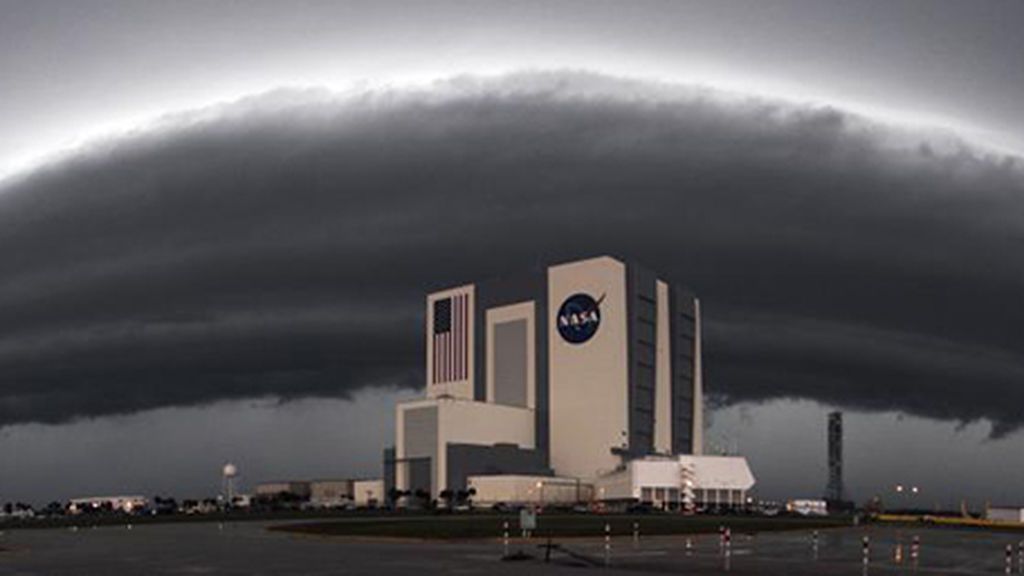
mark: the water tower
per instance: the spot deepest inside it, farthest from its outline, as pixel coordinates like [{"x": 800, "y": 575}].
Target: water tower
[{"x": 229, "y": 473}]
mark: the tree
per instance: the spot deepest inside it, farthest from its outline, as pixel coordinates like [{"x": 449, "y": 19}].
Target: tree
[
  {"x": 424, "y": 497},
  {"x": 394, "y": 495},
  {"x": 464, "y": 496},
  {"x": 447, "y": 496},
  {"x": 165, "y": 505}
]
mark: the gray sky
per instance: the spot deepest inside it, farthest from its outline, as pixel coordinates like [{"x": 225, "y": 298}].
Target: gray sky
[{"x": 210, "y": 203}]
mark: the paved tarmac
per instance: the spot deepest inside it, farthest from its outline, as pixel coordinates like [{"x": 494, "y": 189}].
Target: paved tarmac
[{"x": 248, "y": 548}]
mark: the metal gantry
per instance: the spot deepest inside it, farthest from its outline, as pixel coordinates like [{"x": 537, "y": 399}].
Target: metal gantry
[{"x": 834, "y": 490}]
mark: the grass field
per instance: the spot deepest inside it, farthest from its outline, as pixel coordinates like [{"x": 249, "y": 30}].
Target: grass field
[
  {"x": 949, "y": 522},
  {"x": 461, "y": 526}
]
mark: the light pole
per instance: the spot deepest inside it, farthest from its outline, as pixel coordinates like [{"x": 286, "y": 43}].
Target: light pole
[{"x": 540, "y": 489}]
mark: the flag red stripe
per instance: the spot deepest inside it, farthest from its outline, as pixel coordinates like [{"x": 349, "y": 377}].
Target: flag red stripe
[
  {"x": 465, "y": 336},
  {"x": 457, "y": 345},
  {"x": 433, "y": 348},
  {"x": 462, "y": 338},
  {"x": 462, "y": 333},
  {"x": 462, "y": 350},
  {"x": 455, "y": 336},
  {"x": 437, "y": 367}
]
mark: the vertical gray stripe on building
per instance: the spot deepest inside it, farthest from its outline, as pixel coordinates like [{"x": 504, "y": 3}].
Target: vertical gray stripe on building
[
  {"x": 480, "y": 306},
  {"x": 642, "y": 311},
  {"x": 540, "y": 381},
  {"x": 681, "y": 316},
  {"x": 421, "y": 445},
  {"x": 497, "y": 292},
  {"x": 421, "y": 475},
  {"x": 510, "y": 363}
]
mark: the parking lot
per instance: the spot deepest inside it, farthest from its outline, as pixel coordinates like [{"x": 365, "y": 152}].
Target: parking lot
[{"x": 249, "y": 548}]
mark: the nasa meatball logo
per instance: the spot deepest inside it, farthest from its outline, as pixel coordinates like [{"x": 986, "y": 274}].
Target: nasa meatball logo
[{"x": 579, "y": 317}]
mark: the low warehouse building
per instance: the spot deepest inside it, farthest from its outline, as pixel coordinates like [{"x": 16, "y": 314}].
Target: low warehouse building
[
  {"x": 1005, "y": 514},
  {"x": 126, "y": 504},
  {"x": 294, "y": 488},
  {"x": 330, "y": 493},
  {"x": 368, "y": 493},
  {"x": 516, "y": 490}
]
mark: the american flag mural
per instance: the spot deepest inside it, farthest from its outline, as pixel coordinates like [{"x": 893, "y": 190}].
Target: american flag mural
[{"x": 451, "y": 339}]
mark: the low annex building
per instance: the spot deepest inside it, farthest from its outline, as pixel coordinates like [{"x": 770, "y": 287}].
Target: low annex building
[
  {"x": 368, "y": 493},
  {"x": 299, "y": 489},
  {"x": 330, "y": 492},
  {"x": 1013, "y": 514},
  {"x": 667, "y": 482},
  {"x": 514, "y": 489}
]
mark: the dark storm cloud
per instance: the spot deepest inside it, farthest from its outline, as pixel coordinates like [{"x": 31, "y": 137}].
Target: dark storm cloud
[{"x": 282, "y": 245}]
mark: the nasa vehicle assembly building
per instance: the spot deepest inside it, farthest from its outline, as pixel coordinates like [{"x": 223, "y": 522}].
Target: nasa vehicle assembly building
[{"x": 581, "y": 372}]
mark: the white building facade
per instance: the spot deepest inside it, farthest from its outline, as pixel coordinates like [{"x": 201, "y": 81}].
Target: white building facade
[
  {"x": 712, "y": 482},
  {"x": 1005, "y": 514},
  {"x": 571, "y": 371},
  {"x": 368, "y": 493},
  {"x": 329, "y": 493},
  {"x": 127, "y": 504},
  {"x": 514, "y": 489}
]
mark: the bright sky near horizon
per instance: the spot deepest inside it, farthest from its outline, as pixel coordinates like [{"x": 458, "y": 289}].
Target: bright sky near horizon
[{"x": 76, "y": 72}]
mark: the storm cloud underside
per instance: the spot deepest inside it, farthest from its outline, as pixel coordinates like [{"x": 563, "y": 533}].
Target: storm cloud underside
[{"x": 282, "y": 245}]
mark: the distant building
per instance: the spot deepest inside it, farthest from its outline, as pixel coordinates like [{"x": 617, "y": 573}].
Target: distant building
[
  {"x": 807, "y": 507},
  {"x": 330, "y": 493},
  {"x": 1005, "y": 514},
  {"x": 368, "y": 493},
  {"x": 298, "y": 489},
  {"x": 127, "y": 504}
]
